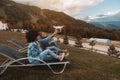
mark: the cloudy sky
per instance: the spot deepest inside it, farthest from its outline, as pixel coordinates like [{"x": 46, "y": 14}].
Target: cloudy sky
[{"x": 81, "y": 9}]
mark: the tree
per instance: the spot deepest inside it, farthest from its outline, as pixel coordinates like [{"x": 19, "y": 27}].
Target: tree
[
  {"x": 65, "y": 40},
  {"x": 112, "y": 51},
  {"x": 92, "y": 43},
  {"x": 78, "y": 42}
]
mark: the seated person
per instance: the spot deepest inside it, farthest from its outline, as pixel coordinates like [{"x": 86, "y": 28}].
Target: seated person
[
  {"x": 51, "y": 44},
  {"x": 35, "y": 48}
]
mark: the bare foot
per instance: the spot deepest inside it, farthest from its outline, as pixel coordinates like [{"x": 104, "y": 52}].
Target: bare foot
[
  {"x": 61, "y": 56},
  {"x": 65, "y": 51},
  {"x": 67, "y": 54}
]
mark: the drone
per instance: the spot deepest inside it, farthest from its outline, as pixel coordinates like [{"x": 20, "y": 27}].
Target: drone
[{"x": 59, "y": 28}]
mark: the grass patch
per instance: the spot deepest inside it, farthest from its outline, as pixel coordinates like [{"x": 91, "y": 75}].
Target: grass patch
[{"x": 85, "y": 65}]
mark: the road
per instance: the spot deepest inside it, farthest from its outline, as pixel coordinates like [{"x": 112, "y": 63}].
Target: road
[{"x": 100, "y": 48}]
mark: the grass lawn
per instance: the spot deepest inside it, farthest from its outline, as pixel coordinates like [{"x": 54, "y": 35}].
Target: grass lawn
[{"x": 85, "y": 65}]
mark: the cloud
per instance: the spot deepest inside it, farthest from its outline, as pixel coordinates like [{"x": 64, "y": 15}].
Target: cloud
[
  {"x": 70, "y": 7},
  {"x": 109, "y": 16}
]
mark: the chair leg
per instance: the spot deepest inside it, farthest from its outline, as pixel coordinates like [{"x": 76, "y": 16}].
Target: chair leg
[
  {"x": 4, "y": 65},
  {"x": 3, "y": 70},
  {"x": 61, "y": 71}
]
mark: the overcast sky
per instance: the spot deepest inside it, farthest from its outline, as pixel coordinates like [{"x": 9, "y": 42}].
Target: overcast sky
[{"x": 71, "y": 7}]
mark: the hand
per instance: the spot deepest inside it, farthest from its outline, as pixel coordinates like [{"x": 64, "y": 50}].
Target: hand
[
  {"x": 38, "y": 45},
  {"x": 54, "y": 33}
]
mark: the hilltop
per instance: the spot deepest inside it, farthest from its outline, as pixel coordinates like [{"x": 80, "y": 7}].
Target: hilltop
[{"x": 19, "y": 13}]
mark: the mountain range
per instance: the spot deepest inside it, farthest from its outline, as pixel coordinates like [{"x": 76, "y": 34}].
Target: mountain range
[
  {"x": 108, "y": 21},
  {"x": 108, "y": 25}
]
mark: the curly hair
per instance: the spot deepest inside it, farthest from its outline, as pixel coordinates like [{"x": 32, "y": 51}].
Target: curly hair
[{"x": 31, "y": 35}]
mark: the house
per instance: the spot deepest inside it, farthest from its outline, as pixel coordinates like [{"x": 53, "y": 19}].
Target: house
[
  {"x": 100, "y": 40},
  {"x": 3, "y": 26}
]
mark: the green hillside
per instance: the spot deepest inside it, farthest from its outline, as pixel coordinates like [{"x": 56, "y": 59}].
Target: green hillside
[{"x": 85, "y": 65}]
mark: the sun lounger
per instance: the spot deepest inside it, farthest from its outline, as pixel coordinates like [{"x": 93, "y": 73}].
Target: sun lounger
[
  {"x": 22, "y": 46},
  {"x": 13, "y": 56}
]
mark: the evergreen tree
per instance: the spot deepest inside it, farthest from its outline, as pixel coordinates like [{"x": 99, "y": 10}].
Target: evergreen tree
[{"x": 92, "y": 43}]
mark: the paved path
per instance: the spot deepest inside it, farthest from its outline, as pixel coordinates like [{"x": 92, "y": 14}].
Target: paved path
[{"x": 98, "y": 47}]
